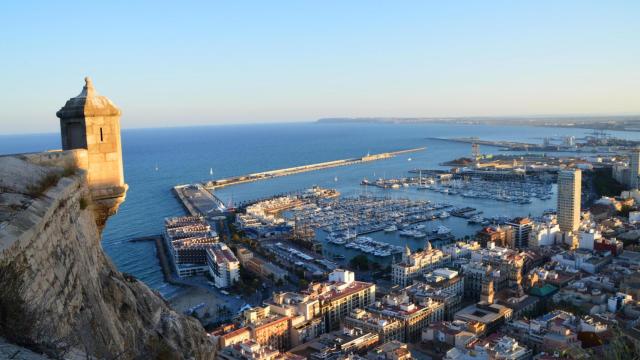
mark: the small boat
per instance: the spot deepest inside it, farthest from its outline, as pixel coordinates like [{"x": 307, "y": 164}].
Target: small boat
[
  {"x": 391, "y": 228},
  {"x": 211, "y": 171},
  {"x": 476, "y": 219},
  {"x": 442, "y": 230},
  {"x": 419, "y": 234}
]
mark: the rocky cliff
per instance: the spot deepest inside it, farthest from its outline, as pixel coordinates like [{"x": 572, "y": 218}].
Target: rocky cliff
[{"x": 59, "y": 293}]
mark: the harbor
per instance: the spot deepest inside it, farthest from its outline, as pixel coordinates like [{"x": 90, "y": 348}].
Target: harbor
[{"x": 163, "y": 175}]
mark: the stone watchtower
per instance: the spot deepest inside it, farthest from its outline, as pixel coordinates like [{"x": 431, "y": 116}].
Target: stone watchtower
[{"x": 92, "y": 122}]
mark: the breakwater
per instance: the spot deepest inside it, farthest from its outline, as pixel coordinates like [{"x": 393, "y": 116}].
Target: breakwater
[{"x": 215, "y": 184}]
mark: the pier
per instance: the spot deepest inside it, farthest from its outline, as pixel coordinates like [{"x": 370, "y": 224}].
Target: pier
[
  {"x": 197, "y": 200},
  {"x": 215, "y": 184}
]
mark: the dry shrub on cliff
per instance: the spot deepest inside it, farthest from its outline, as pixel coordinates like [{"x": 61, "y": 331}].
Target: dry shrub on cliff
[{"x": 39, "y": 188}]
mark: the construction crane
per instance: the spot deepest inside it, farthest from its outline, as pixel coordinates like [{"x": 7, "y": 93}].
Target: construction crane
[{"x": 475, "y": 151}]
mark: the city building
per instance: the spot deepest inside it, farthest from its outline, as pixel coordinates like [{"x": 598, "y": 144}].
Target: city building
[
  {"x": 456, "y": 333},
  {"x": 545, "y": 233},
  {"x": 461, "y": 250},
  {"x": 521, "y": 231},
  {"x": 621, "y": 173},
  {"x": 268, "y": 328},
  {"x": 387, "y": 328},
  {"x": 260, "y": 267},
  {"x": 339, "y": 296},
  {"x": 415, "y": 264},
  {"x": 337, "y": 345},
  {"x": 499, "y": 235},
  {"x": 569, "y": 197},
  {"x": 584, "y": 260},
  {"x": 230, "y": 334},
  {"x": 634, "y": 168},
  {"x": 187, "y": 239},
  {"x": 306, "y": 322},
  {"x": 393, "y": 350},
  {"x": 223, "y": 265},
  {"x": 492, "y": 316},
  {"x": 552, "y": 332},
  {"x": 504, "y": 347},
  {"x": 476, "y": 273},
  {"x": 445, "y": 280},
  {"x": 252, "y": 350},
  {"x": 587, "y": 239},
  {"x": 413, "y": 316}
]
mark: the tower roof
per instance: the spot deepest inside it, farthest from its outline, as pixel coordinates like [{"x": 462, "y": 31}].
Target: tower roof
[{"x": 88, "y": 103}]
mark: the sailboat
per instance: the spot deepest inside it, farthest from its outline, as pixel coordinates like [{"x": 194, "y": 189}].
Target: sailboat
[
  {"x": 211, "y": 171},
  {"x": 230, "y": 203},
  {"x": 335, "y": 179},
  {"x": 421, "y": 185},
  {"x": 157, "y": 167}
]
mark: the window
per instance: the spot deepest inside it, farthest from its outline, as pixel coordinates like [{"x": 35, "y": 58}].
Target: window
[{"x": 101, "y": 137}]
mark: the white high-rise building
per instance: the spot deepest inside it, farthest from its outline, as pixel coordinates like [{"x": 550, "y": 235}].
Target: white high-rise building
[
  {"x": 224, "y": 267},
  {"x": 634, "y": 168},
  {"x": 569, "y": 195}
]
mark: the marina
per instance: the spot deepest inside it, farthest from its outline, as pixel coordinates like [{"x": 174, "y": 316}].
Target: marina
[
  {"x": 519, "y": 192},
  {"x": 345, "y": 221}
]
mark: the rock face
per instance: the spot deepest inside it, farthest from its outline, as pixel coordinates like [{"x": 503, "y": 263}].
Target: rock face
[{"x": 59, "y": 292}]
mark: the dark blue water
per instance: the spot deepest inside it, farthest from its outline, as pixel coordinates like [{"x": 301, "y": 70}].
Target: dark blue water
[{"x": 185, "y": 155}]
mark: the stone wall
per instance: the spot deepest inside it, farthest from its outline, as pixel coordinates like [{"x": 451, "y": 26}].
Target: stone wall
[
  {"x": 57, "y": 158},
  {"x": 59, "y": 293},
  {"x": 105, "y": 199}
]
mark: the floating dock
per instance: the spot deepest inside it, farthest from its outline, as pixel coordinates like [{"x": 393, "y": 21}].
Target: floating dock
[{"x": 215, "y": 184}]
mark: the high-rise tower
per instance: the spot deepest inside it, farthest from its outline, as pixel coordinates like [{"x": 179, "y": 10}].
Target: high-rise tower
[
  {"x": 569, "y": 195},
  {"x": 634, "y": 168}
]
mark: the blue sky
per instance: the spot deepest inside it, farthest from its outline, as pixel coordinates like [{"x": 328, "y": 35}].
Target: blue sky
[{"x": 199, "y": 62}]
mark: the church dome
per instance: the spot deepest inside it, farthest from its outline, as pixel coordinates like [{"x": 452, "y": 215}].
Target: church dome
[{"x": 88, "y": 103}]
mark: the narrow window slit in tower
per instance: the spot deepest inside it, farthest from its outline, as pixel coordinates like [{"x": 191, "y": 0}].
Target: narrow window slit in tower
[{"x": 101, "y": 138}]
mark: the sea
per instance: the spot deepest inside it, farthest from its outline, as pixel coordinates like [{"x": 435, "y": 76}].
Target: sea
[{"x": 155, "y": 160}]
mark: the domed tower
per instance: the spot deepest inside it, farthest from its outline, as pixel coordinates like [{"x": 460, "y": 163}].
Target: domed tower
[
  {"x": 407, "y": 253},
  {"x": 427, "y": 246},
  {"x": 92, "y": 122}
]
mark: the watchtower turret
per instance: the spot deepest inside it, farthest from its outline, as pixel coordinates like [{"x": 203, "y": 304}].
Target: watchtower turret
[{"x": 92, "y": 122}]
